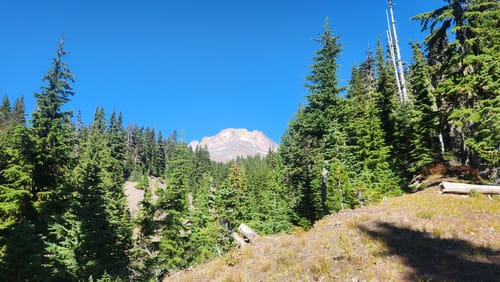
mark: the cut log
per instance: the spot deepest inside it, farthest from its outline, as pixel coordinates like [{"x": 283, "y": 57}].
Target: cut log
[
  {"x": 240, "y": 242},
  {"x": 248, "y": 233},
  {"x": 462, "y": 188}
]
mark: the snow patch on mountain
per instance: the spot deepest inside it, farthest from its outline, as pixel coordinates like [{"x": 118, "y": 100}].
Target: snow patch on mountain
[{"x": 233, "y": 142}]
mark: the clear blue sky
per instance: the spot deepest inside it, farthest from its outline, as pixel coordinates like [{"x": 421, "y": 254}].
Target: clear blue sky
[{"x": 194, "y": 66}]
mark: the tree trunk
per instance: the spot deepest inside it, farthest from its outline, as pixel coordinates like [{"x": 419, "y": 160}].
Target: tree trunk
[
  {"x": 324, "y": 180},
  {"x": 240, "y": 242},
  {"x": 247, "y": 233},
  {"x": 462, "y": 188}
]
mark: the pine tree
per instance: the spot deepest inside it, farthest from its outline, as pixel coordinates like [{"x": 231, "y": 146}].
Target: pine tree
[
  {"x": 5, "y": 112},
  {"x": 367, "y": 142},
  {"x": 135, "y": 150},
  {"x": 302, "y": 143},
  {"x": 51, "y": 127},
  {"x": 169, "y": 213},
  {"x": 273, "y": 202},
  {"x": 385, "y": 95},
  {"x": 159, "y": 159},
  {"x": 11, "y": 115},
  {"x": 21, "y": 247},
  {"x": 51, "y": 160},
  {"x": 483, "y": 50},
  {"x": 104, "y": 229},
  {"x": 466, "y": 75},
  {"x": 424, "y": 139},
  {"x": 342, "y": 169},
  {"x": 229, "y": 199},
  {"x": 18, "y": 111},
  {"x": 150, "y": 151},
  {"x": 202, "y": 166},
  {"x": 144, "y": 256},
  {"x": 116, "y": 136},
  {"x": 207, "y": 237}
]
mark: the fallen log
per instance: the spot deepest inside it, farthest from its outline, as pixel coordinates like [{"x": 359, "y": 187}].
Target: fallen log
[
  {"x": 240, "y": 242},
  {"x": 247, "y": 233},
  {"x": 463, "y": 188}
]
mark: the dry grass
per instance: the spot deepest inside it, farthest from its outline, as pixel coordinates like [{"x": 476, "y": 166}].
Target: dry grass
[{"x": 418, "y": 237}]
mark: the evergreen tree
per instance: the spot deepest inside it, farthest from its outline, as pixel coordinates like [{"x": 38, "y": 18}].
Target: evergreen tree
[
  {"x": 21, "y": 247},
  {"x": 385, "y": 95},
  {"x": 229, "y": 199},
  {"x": 135, "y": 150},
  {"x": 150, "y": 151},
  {"x": 51, "y": 161},
  {"x": 159, "y": 159},
  {"x": 101, "y": 207},
  {"x": 424, "y": 139},
  {"x": 18, "y": 111},
  {"x": 117, "y": 144},
  {"x": 342, "y": 169},
  {"x": 207, "y": 237},
  {"x": 466, "y": 75},
  {"x": 302, "y": 143},
  {"x": 168, "y": 213},
  {"x": 202, "y": 166},
  {"x": 5, "y": 112},
  {"x": 273, "y": 202},
  {"x": 51, "y": 128},
  {"x": 367, "y": 142},
  {"x": 145, "y": 253}
]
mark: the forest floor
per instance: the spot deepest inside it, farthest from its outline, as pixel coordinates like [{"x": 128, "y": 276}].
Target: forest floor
[{"x": 424, "y": 236}]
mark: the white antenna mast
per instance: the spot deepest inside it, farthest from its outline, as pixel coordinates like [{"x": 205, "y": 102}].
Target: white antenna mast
[
  {"x": 393, "y": 57},
  {"x": 398, "y": 53}
]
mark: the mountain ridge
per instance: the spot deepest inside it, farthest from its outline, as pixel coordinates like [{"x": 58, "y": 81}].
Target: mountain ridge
[{"x": 231, "y": 143}]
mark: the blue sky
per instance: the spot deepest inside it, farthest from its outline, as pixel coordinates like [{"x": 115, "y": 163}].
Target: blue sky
[{"x": 193, "y": 66}]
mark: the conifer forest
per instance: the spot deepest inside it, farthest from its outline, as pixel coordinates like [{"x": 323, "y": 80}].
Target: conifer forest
[{"x": 63, "y": 210}]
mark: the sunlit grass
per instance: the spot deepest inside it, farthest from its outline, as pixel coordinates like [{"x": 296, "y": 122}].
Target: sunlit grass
[
  {"x": 438, "y": 233},
  {"x": 234, "y": 276},
  {"x": 345, "y": 247},
  {"x": 321, "y": 266},
  {"x": 285, "y": 258},
  {"x": 337, "y": 250},
  {"x": 428, "y": 214}
]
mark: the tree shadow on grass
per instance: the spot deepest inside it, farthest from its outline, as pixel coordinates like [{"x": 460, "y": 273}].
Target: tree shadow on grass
[{"x": 435, "y": 259}]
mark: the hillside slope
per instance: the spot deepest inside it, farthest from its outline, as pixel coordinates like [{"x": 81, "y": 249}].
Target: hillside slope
[{"x": 423, "y": 236}]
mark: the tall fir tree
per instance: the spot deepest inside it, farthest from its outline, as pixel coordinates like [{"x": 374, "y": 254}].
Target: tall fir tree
[
  {"x": 52, "y": 160},
  {"x": 172, "y": 208},
  {"x": 273, "y": 202},
  {"x": 117, "y": 140},
  {"x": 21, "y": 247},
  {"x": 367, "y": 142},
  {"x": 5, "y": 112},
  {"x": 18, "y": 111},
  {"x": 144, "y": 255},
  {"x": 424, "y": 139},
  {"x": 462, "y": 48},
  {"x": 104, "y": 232},
  {"x": 52, "y": 131},
  {"x": 302, "y": 143},
  {"x": 385, "y": 94},
  {"x": 207, "y": 238}
]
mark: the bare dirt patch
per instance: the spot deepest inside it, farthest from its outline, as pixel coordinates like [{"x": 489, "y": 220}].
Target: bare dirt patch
[{"x": 134, "y": 197}]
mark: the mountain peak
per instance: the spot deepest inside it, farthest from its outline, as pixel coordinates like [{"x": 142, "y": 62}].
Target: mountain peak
[{"x": 230, "y": 143}]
